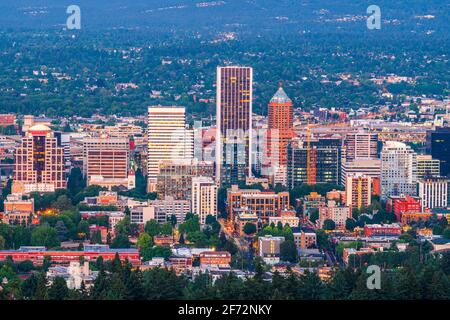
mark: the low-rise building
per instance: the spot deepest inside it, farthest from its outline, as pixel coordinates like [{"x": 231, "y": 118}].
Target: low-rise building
[
  {"x": 264, "y": 204},
  {"x": 18, "y": 209},
  {"x": 243, "y": 217},
  {"x": 101, "y": 229},
  {"x": 312, "y": 201},
  {"x": 403, "y": 204},
  {"x": 221, "y": 259},
  {"x": 75, "y": 275},
  {"x": 141, "y": 215},
  {"x": 286, "y": 217},
  {"x": 371, "y": 230},
  {"x": 339, "y": 214},
  {"x": 305, "y": 240},
  {"x": 269, "y": 248},
  {"x": 168, "y": 207},
  {"x": 163, "y": 240},
  {"x": 90, "y": 253}
]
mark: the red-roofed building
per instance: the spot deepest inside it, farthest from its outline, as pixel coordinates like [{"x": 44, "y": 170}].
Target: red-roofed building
[
  {"x": 403, "y": 204},
  {"x": 215, "y": 259},
  {"x": 371, "y": 230}
]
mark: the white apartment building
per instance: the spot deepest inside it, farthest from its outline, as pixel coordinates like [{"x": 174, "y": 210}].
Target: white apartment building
[
  {"x": 398, "y": 169},
  {"x": 204, "y": 197},
  {"x": 433, "y": 192}
]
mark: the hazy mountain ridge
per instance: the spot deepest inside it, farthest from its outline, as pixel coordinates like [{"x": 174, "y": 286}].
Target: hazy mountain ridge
[{"x": 203, "y": 14}]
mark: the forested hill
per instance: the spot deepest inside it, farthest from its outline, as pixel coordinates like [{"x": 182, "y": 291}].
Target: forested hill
[
  {"x": 174, "y": 47},
  {"x": 243, "y": 15}
]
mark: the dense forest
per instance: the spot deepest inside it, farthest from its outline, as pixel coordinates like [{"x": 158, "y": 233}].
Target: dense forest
[{"x": 117, "y": 281}]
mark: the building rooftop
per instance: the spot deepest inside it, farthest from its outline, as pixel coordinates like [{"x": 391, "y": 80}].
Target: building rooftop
[{"x": 280, "y": 97}]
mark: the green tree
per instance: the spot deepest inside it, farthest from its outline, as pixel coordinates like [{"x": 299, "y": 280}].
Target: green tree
[
  {"x": 152, "y": 227},
  {"x": 313, "y": 215},
  {"x": 120, "y": 241},
  {"x": 341, "y": 284},
  {"x": 145, "y": 244},
  {"x": 446, "y": 233},
  {"x": 63, "y": 203},
  {"x": 163, "y": 284},
  {"x": 61, "y": 230},
  {"x": 41, "y": 292},
  {"x": 116, "y": 290},
  {"x": 406, "y": 285},
  {"x": 249, "y": 228},
  {"x": 192, "y": 224},
  {"x": 96, "y": 237},
  {"x": 288, "y": 251},
  {"x": 310, "y": 287},
  {"x": 350, "y": 224},
  {"x": 329, "y": 224},
  {"x": 58, "y": 290},
  {"x": 45, "y": 236},
  {"x": 166, "y": 229}
]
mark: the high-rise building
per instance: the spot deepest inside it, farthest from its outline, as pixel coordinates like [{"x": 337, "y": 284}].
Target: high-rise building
[
  {"x": 168, "y": 139},
  {"x": 427, "y": 166},
  {"x": 439, "y": 146},
  {"x": 234, "y": 123},
  {"x": 433, "y": 192},
  {"x": 39, "y": 162},
  {"x": 204, "y": 197},
  {"x": 361, "y": 145},
  {"x": 280, "y": 132},
  {"x": 326, "y": 160},
  {"x": 359, "y": 191},
  {"x": 398, "y": 169},
  {"x": 106, "y": 162},
  {"x": 367, "y": 167}
]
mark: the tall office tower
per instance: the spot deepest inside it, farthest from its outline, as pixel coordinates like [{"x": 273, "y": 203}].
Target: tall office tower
[
  {"x": 168, "y": 139},
  {"x": 326, "y": 161},
  {"x": 398, "y": 169},
  {"x": 439, "y": 147},
  {"x": 427, "y": 166},
  {"x": 281, "y": 131},
  {"x": 358, "y": 191},
  {"x": 39, "y": 162},
  {"x": 361, "y": 145},
  {"x": 234, "y": 124},
  {"x": 106, "y": 162},
  {"x": 433, "y": 192},
  {"x": 204, "y": 197}
]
